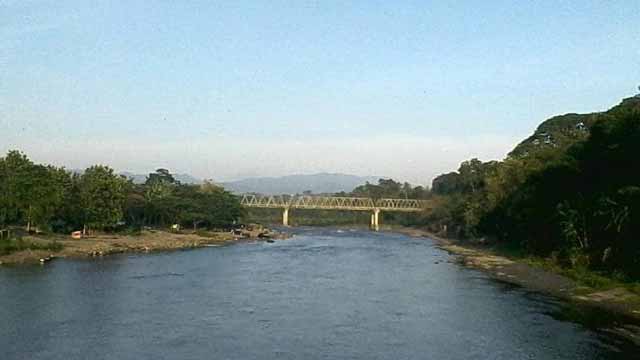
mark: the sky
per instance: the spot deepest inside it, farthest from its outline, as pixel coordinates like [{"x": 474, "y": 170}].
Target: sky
[{"x": 232, "y": 89}]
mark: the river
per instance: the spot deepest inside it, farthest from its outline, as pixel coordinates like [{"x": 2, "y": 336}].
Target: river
[{"x": 324, "y": 294}]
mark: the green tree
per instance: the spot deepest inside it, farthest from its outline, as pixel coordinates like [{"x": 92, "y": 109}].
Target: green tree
[
  {"x": 160, "y": 176},
  {"x": 159, "y": 191},
  {"x": 206, "y": 205},
  {"x": 45, "y": 195},
  {"x": 30, "y": 193},
  {"x": 103, "y": 194},
  {"x": 15, "y": 169},
  {"x": 69, "y": 215},
  {"x": 446, "y": 184}
]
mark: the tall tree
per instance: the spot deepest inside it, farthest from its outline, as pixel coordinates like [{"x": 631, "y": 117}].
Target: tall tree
[
  {"x": 15, "y": 185},
  {"x": 45, "y": 195},
  {"x": 103, "y": 194}
]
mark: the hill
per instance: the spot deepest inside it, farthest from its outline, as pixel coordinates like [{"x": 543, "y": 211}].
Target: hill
[{"x": 564, "y": 130}]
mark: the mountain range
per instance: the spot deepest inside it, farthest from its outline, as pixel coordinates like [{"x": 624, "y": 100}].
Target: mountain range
[
  {"x": 296, "y": 184},
  {"x": 290, "y": 184}
]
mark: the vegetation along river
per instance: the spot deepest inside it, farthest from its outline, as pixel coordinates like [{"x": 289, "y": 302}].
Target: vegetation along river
[{"x": 324, "y": 294}]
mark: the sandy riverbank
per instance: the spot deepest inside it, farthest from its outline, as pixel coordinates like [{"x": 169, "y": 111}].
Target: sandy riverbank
[{"x": 107, "y": 244}]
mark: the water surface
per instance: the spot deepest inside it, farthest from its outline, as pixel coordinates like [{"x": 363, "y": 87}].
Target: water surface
[{"x": 325, "y": 294}]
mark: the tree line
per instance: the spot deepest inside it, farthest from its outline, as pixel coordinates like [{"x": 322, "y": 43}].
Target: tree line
[
  {"x": 48, "y": 198},
  {"x": 577, "y": 202}
]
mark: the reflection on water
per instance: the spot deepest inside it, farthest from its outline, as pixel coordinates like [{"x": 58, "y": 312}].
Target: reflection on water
[{"x": 325, "y": 294}]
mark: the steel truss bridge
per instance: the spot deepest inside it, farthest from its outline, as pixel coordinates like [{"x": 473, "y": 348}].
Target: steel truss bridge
[{"x": 286, "y": 202}]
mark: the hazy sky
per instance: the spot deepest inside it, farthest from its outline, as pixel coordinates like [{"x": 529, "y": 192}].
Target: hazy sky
[{"x": 231, "y": 89}]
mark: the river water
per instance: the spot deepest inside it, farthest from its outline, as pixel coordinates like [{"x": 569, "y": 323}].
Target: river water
[{"x": 324, "y": 294}]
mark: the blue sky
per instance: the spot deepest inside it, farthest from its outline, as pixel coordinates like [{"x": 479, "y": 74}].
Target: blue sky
[{"x": 230, "y": 89}]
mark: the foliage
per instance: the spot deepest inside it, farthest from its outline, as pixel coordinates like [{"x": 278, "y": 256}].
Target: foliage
[
  {"x": 102, "y": 195},
  {"x": 30, "y": 193},
  {"x": 388, "y": 188},
  {"x": 577, "y": 201},
  {"x": 460, "y": 199},
  {"x": 50, "y": 198},
  {"x": 207, "y": 205}
]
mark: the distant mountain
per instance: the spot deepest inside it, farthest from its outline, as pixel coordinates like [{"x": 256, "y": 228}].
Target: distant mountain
[
  {"x": 182, "y": 178},
  {"x": 297, "y": 184},
  {"x": 564, "y": 130}
]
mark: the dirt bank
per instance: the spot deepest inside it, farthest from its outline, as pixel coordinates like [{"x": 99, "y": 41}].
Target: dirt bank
[{"x": 107, "y": 244}]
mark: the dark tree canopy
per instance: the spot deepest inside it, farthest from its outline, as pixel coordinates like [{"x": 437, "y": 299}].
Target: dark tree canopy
[{"x": 578, "y": 200}]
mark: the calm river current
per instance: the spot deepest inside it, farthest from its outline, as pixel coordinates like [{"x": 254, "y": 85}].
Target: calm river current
[{"x": 324, "y": 294}]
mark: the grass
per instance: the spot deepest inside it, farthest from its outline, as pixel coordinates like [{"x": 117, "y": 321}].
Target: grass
[
  {"x": 583, "y": 276},
  {"x": 12, "y": 245}
]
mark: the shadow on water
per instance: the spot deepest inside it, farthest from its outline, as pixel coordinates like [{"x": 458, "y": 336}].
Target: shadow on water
[{"x": 612, "y": 329}]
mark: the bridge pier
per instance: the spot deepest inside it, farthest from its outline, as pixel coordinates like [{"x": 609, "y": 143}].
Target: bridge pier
[
  {"x": 375, "y": 220},
  {"x": 285, "y": 217}
]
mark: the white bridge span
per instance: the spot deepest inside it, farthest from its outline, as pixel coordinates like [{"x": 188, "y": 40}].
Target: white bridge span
[{"x": 287, "y": 202}]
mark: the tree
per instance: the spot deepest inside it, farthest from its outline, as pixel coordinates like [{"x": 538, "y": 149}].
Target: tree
[
  {"x": 135, "y": 206},
  {"x": 447, "y": 184},
  {"x": 69, "y": 215},
  {"x": 160, "y": 176},
  {"x": 49, "y": 197},
  {"x": 159, "y": 191},
  {"x": 206, "y": 205},
  {"x": 103, "y": 194},
  {"x": 30, "y": 193},
  {"x": 386, "y": 188},
  {"x": 15, "y": 185},
  {"x": 45, "y": 195}
]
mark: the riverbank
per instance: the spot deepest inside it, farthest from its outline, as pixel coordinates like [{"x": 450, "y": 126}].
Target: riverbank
[
  {"x": 622, "y": 305},
  {"x": 108, "y": 244}
]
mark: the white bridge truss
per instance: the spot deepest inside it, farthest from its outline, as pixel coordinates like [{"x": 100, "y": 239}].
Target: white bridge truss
[
  {"x": 287, "y": 202},
  {"x": 332, "y": 203}
]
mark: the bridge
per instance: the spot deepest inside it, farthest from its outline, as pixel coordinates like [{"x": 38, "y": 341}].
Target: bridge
[{"x": 287, "y": 202}]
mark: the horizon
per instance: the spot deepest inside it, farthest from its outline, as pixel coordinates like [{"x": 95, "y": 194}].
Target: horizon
[{"x": 251, "y": 89}]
